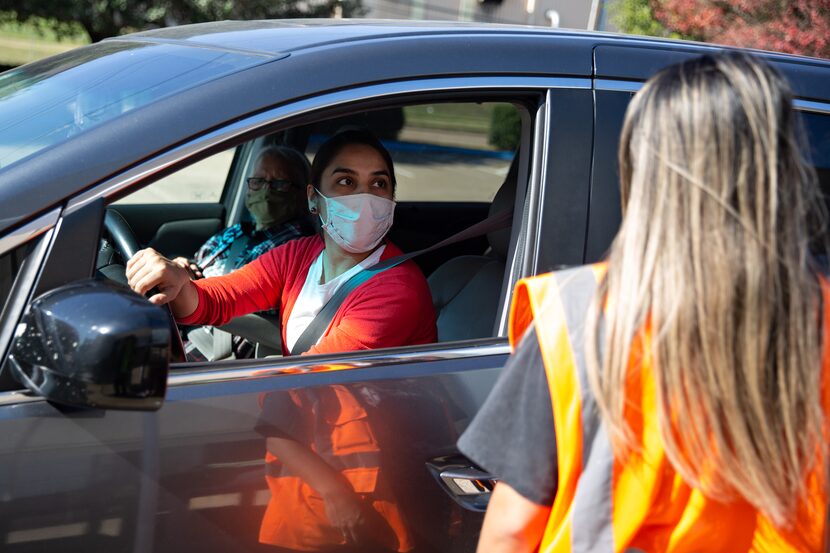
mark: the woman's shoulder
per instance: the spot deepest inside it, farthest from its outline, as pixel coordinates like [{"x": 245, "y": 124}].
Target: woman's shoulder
[
  {"x": 390, "y": 250},
  {"x": 407, "y": 277}
]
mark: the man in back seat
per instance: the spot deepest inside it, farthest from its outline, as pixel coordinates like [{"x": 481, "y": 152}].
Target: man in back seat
[{"x": 275, "y": 197}]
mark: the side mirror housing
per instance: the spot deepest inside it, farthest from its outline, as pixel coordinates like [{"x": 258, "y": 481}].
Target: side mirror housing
[{"x": 95, "y": 344}]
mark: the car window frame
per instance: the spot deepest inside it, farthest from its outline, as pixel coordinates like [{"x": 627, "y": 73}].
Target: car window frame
[
  {"x": 533, "y": 141},
  {"x": 292, "y": 114}
]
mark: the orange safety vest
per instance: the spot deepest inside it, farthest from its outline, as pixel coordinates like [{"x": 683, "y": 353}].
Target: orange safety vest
[
  {"x": 640, "y": 504},
  {"x": 295, "y": 517}
]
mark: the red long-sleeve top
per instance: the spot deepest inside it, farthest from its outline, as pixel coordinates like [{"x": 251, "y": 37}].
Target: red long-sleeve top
[{"x": 393, "y": 308}]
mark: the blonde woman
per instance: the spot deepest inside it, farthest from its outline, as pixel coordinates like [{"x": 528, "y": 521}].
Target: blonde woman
[{"x": 676, "y": 398}]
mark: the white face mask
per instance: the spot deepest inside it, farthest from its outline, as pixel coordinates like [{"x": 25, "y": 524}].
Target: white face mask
[{"x": 357, "y": 222}]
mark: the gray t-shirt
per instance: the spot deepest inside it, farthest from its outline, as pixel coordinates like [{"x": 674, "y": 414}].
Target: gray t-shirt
[{"x": 512, "y": 437}]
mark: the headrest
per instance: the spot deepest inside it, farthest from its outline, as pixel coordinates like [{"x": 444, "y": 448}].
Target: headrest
[{"x": 505, "y": 199}]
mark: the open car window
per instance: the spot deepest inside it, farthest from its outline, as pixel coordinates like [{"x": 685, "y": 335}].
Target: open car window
[{"x": 453, "y": 168}]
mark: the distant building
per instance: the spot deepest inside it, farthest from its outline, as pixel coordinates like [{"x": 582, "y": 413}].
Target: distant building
[{"x": 571, "y": 14}]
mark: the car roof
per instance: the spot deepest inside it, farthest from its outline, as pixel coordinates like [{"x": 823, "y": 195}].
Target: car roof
[
  {"x": 282, "y": 36},
  {"x": 297, "y": 34},
  {"x": 298, "y": 58}
]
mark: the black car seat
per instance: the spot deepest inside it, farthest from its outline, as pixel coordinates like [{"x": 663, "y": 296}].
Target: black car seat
[{"x": 466, "y": 290}]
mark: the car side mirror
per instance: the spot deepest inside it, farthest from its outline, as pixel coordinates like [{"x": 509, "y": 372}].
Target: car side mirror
[{"x": 95, "y": 344}]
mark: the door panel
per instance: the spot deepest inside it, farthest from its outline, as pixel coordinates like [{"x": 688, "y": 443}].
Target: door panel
[{"x": 192, "y": 476}]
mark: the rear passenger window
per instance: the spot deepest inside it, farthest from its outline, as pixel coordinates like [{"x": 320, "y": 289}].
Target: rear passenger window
[
  {"x": 610, "y": 111},
  {"x": 817, "y": 127}
]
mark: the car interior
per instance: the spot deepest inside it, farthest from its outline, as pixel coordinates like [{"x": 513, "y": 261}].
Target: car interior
[{"x": 456, "y": 164}]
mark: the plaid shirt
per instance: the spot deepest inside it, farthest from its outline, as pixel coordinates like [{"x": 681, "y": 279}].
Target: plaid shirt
[{"x": 245, "y": 243}]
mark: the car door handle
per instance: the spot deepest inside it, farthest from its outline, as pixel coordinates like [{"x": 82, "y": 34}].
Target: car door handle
[
  {"x": 467, "y": 484},
  {"x": 468, "y": 481}
]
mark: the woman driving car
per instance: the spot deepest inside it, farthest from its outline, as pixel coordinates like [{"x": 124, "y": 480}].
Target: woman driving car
[{"x": 352, "y": 191}]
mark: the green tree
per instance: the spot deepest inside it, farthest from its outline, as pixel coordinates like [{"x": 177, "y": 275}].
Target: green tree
[
  {"x": 505, "y": 127},
  {"x": 636, "y": 17},
  {"x": 104, "y": 18}
]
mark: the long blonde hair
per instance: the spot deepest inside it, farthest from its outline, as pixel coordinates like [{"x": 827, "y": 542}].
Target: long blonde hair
[{"x": 713, "y": 258}]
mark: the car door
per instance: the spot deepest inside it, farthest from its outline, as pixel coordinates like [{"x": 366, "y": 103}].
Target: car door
[{"x": 192, "y": 475}]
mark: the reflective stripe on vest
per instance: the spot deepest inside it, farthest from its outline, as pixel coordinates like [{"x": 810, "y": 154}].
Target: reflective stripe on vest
[
  {"x": 641, "y": 503},
  {"x": 580, "y": 517}
]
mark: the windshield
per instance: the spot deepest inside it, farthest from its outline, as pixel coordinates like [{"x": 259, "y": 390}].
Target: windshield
[{"x": 47, "y": 102}]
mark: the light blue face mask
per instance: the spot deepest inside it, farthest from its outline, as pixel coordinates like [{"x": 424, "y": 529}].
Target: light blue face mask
[{"x": 357, "y": 222}]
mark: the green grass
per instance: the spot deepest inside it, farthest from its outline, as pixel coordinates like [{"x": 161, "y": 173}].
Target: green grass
[{"x": 23, "y": 43}]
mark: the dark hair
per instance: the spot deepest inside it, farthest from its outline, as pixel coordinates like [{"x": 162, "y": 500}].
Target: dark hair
[
  {"x": 331, "y": 147},
  {"x": 296, "y": 163}
]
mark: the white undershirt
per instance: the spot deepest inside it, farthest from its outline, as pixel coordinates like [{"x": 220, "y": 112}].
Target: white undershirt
[{"x": 314, "y": 295}]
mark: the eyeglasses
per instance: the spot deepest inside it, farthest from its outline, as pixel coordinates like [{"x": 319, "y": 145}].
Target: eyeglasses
[{"x": 277, "y": 185}]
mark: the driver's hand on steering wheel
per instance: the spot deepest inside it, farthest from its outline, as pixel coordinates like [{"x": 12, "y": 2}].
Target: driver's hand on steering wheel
[{"x": 148, "y": 269}]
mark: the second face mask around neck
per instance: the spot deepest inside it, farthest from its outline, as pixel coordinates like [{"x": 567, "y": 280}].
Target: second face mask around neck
[{"x": 357, "y": 222}]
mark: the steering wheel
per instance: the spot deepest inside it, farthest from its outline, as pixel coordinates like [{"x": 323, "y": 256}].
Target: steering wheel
[{"x": 124, "y": 242}]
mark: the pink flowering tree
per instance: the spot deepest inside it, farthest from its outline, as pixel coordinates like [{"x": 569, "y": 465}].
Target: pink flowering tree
[{"x": 792, "y": 26}]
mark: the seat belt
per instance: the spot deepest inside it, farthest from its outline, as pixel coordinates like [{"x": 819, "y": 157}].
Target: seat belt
[{"x": 323, "y": 319}]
